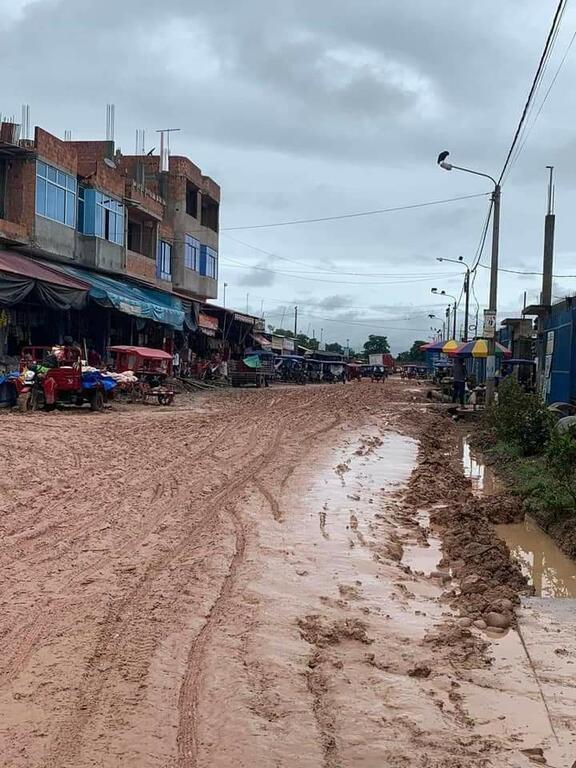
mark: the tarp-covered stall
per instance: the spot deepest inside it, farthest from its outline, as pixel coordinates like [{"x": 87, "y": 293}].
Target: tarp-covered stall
[{"x": 21, "y": 275}]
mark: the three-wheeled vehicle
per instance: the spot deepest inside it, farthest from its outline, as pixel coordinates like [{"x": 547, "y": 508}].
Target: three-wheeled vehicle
[
  {"x": 47, "y": 381},
  {"x": 290, "y": 369},
  {"x": 256, "y": 368},
  {"x": 152, "y": 367}
]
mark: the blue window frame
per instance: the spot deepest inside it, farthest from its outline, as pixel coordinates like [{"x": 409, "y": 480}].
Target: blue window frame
[
  {"x": 164, "y": 260},
  {"x": 192, "y": 253},
  {"x": 100, "y": 215},
  {"x": 55, "y": 194},
  {"x": 208, "y": 262},
  {"x": 109, "y": 218}
]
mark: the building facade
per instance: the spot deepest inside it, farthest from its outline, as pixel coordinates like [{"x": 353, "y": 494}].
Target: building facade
[{"x": 82, "y": 203}]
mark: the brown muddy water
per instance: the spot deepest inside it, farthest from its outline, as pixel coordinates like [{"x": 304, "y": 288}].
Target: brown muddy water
[{"x": 549, "y": 570}]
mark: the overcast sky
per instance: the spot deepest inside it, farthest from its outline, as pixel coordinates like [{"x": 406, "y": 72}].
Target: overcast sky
[{"x": 316, "y": 108}]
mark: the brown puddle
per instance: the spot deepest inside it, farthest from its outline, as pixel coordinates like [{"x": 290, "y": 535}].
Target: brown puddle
[
  {"x": 552, "y": 573},
  {"x": 483, "y": 479},
  {"x": 549, "y": 570},
  {"x": 423, "y": 559}
]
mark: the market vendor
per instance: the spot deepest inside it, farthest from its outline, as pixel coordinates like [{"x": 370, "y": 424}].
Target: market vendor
[
  {"x": 71, "y": 350},
  {"x": 94, "y": 357},
  {"x": 459, "y": 373}
]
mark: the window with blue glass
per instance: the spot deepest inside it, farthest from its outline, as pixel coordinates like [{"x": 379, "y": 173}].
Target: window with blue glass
[
  {"x": 101, "y": 215},
  {"x": 164, "y": 260},
  {"x": 191, "y": 253},
  {"x": 55, "y": 194},
  {"x": 208, "y": 262}
]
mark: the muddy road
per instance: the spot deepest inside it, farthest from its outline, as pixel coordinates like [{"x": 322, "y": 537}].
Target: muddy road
[{"x": 255, "y": 579}]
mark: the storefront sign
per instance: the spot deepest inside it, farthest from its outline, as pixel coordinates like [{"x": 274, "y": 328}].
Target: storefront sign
[
  {"x": 208, "y": 322},
  {"x": 288, "y": 345},
  {"x": 489, "y": 324},
  {"x": 277, "y": 342},
  {"x": 243, "y": 318}
]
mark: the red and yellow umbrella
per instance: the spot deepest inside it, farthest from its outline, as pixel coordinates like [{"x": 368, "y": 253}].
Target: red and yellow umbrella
[
  {"x": 449, "y": 347},
  {"x": 479, "y": 348}
]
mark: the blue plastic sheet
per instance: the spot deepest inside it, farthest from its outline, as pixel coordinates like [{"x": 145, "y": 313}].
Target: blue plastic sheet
[
  {"x": 132, "y": 299},
  {"x": 92, "y": 379}
]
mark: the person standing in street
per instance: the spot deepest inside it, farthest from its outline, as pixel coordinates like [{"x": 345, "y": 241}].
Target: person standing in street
[{"x": 459, "y": 373}]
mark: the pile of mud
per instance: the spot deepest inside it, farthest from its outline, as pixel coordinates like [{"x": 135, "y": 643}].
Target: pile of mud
[{"x": 490, "y": 583}]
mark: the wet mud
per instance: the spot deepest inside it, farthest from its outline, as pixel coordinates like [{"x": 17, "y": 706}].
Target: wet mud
[{"x": 240, "y": 582}]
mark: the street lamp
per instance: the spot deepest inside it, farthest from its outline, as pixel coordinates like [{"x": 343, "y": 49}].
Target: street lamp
[
  {"x": 491, "y": 361},
  {"x": 461, "y": 261},
  {"x": 449, "y": 295}
]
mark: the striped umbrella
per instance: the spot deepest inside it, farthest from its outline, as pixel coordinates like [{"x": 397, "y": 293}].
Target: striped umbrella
[
  {"x": 449, "y": 347},
  {"x": 479, "y": 348}
]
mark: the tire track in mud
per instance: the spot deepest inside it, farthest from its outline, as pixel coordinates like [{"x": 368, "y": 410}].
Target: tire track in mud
[
  {"x": 108, "y": 647},
  {"x": 187, "y": 738},
  {"x": 93, "y": 519},
  {"x": 272, "y": 499},
  {"x": 17, "y": 652}
]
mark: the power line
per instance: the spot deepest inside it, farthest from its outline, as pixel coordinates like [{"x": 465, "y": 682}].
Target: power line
[
  {"x": 343, "y": 321},
  {"x": 521, "y": 272},
  {"x": 306, "y": 276},
  {"x": 552, "y": 83},
  {"x": 372, "y": 308},
  {"x": 536, "y": 81},
  {"x": 355, "y": 215}
]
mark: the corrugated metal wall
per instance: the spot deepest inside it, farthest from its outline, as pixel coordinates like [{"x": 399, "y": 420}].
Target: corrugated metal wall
[{"x": 562, "y": 386}]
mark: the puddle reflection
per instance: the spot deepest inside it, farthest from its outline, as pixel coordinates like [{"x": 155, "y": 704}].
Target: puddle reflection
[
  {"x": 482, "y": 477},
  {"x": 551, "y": 572}
]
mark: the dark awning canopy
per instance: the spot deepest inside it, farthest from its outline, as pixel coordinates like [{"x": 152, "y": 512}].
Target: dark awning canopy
[{"x": 20, "y": 275}]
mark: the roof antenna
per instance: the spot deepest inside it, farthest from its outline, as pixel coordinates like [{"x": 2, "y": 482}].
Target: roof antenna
[
  {"x": 165, "y": 147},
  {"x": 110, "y": 117}
]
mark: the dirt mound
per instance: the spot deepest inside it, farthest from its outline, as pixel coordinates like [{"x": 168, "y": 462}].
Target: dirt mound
[
  {"x": 319, "y": 631},
  {"x": 472, "y": 552},
  {"x": 500, "y": 508},
  {"x": 479, "y": 560}
]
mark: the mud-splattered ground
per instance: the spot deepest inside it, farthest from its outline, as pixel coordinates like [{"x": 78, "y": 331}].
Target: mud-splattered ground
[{"x": 261, "y": 579}]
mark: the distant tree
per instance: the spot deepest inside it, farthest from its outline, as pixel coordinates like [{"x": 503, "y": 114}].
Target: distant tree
[
  {"x": 335, "y": 347},
  {"x": 376, "y": 345},
  {"x": 414, "y": 354},
  {"x": 282, "y": 332}
]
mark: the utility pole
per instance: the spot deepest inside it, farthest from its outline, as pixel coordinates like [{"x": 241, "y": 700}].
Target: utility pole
[
  {"x": 491, "y": 360},
  {"x": 467, "y": 304},
  {"x": 549, "y": 226},
  {"x": 224, "y": 298},
  {"x": 455, "y": 315},
  {"x": 295, "y": 322},
  {"x": 492, "y": 308},
  {"x": 247, "y": 303}
]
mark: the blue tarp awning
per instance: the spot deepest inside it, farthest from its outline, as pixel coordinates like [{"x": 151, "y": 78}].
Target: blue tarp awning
[{"x": 132, "y": 299}]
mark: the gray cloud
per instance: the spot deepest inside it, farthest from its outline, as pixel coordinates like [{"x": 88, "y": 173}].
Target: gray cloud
[
  {"x": 309, "y": 109},
  {"x": 259, "y": 276}
]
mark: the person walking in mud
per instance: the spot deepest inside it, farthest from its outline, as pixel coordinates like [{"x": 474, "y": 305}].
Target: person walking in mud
[{"x": 459, "y": 373}]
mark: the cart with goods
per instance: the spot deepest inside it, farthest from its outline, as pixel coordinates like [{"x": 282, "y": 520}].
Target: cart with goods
[
  {"x": 142, "y": 373},
  {"x": 49, "y": 379},
  {"x": 255, "y": 369}
]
